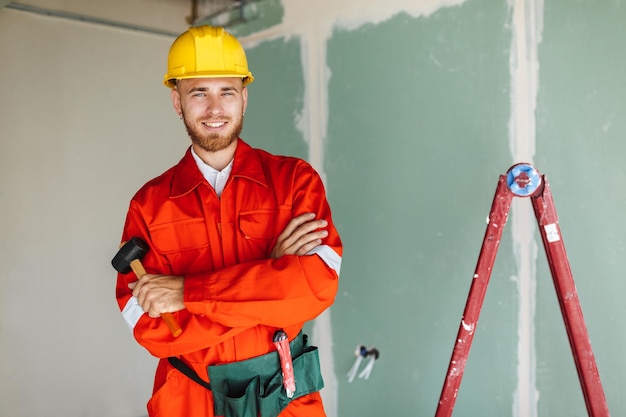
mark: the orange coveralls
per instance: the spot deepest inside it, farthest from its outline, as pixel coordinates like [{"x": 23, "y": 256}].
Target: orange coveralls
[{"x": 235, "y": 296}]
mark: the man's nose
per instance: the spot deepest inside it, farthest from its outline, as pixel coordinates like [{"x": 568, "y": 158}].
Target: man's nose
[{"x": 213, "y": 107}]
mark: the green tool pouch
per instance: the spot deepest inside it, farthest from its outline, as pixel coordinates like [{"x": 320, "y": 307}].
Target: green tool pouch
[{"x": 255, "y": 386}]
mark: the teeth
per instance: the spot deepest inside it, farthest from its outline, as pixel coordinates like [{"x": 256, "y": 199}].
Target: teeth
[{"x": 214, "y": 124}]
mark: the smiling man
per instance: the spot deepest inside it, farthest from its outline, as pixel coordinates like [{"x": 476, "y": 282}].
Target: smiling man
[
  {"x": 212, "y": 109},
  {"x": 242, "y": 248}
]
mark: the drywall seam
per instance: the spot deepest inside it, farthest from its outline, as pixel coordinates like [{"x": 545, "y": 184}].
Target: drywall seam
[
  {"x": 314, "y": 26},
  {"x": 527, "y": 24},
  {"x": 316, "y": 76}
]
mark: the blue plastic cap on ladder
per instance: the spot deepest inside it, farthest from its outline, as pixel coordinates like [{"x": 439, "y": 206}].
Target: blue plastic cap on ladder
[{"x": 523, "y": 179}]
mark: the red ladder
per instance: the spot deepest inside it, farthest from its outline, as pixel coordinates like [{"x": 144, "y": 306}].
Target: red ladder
[{"x": 523, "y": 180}]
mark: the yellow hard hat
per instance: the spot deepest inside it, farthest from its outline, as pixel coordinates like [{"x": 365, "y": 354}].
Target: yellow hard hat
[{"x": 206, "y": 52}]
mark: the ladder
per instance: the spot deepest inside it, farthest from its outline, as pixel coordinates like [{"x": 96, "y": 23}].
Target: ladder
[{"x": 523, "y": 180}]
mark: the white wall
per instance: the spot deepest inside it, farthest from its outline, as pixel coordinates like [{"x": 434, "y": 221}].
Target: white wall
[{"x": 83, "y": 124}]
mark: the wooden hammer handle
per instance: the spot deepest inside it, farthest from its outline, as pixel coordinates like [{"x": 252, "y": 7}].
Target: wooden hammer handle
[{"x": 139, "y": 270}]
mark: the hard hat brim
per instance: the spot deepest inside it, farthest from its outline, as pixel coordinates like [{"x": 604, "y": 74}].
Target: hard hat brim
[{"x": 171, "y": 82}]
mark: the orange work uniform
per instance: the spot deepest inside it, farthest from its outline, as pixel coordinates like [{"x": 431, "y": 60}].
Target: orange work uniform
[{"x": 235, "y": 295}]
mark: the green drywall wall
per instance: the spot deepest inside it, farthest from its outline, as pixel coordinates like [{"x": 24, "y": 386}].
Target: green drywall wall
[
  {"x": 581, "y": 126},
  {"x": 275, "y": 98},
  {"x": 417, "y": 139},
  {"x": 418, "y": 134}
]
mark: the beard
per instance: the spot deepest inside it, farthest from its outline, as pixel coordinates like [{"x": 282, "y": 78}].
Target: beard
[{"x": 213, "y": 142}]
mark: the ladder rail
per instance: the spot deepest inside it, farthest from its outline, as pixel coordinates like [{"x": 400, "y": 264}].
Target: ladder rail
[
  {"x": 523, "y": 180},
  {"x": 577, "y": 333},
  {"x": 498, "y": 216}
]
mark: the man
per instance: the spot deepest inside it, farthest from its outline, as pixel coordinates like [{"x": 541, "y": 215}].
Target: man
[{"x": 241, "y": 246}]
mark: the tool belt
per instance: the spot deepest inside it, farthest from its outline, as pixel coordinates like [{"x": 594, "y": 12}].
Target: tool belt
[{"x": 254, "y": 386}]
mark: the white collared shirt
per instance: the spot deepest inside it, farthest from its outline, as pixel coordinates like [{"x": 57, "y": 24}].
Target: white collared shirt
[{"x": 216, "y": 178}]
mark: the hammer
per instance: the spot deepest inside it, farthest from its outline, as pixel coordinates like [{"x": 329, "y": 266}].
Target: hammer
[{"x": 129, "y": 258}]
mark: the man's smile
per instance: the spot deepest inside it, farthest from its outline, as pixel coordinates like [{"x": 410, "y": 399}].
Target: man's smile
[{"x": 214, "y": 124}]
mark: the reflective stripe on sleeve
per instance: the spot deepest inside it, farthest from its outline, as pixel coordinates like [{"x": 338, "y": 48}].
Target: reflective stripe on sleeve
[
  {"x": 328, "y": 255},
  {"x": 132, "y": 312}
]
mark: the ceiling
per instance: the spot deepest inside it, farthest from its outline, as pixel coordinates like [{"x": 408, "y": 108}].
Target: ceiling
[{"x": 166, "y": 17}]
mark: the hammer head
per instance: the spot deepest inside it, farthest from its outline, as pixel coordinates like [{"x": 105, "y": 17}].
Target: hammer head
[{"x": 134, "y": 248}]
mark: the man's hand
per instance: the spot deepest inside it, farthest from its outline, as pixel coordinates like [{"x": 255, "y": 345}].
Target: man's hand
[
  {"x": 158, "y": 294},
  {"x": 302, "y": 234}
]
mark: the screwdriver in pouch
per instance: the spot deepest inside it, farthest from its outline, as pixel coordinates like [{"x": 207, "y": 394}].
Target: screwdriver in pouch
[{"x": 281, "y": 341}]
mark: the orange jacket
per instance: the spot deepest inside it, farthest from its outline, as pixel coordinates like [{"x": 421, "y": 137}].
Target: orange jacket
[{"x": 235, "y": 295}]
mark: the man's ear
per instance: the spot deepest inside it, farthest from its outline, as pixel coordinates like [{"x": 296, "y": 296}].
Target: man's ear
[
  {"x": 244, "y": 94},
  {"x": 176, "y": 101}
]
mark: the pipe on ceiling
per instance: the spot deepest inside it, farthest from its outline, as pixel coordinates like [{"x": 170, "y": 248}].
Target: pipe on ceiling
[{"x": 89, "y": 19}]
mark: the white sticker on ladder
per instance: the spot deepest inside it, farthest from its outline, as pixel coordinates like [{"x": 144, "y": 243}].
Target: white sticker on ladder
[{"x": 552, "y": 233}]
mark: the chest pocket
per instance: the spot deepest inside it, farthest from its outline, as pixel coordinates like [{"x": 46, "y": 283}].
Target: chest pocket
[
  {"x": 259, "y": 229},
  {"x": 184, "y": 243}
]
